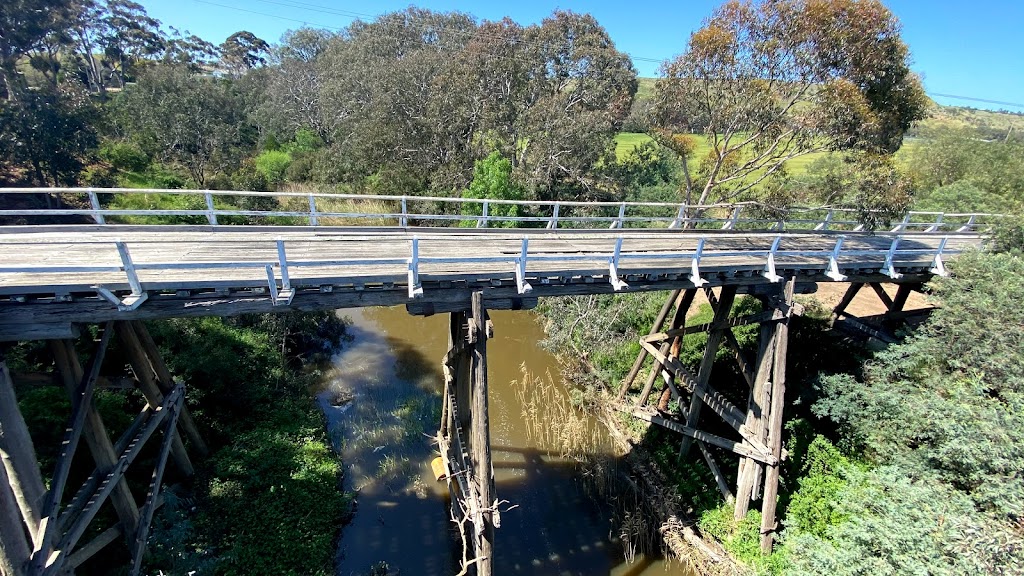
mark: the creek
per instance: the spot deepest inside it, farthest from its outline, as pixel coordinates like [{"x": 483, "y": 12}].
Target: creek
[{"x": 381, "y": 397}]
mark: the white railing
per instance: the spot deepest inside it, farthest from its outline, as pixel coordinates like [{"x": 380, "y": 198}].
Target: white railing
[
  {"x": 216, "y": 208},
  {"x": 901, "y": 252}
]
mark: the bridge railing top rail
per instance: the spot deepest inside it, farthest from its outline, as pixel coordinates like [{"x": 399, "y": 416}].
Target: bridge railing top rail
[{"x": 229, "y": 207}]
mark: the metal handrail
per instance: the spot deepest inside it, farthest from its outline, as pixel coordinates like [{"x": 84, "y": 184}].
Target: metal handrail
[
  {"x": 683, "y": 215},
  {"x": 687, "y": 261}
]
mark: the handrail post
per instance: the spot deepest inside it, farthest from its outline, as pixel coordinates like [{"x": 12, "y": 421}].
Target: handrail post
[
  {"x": 129, "y": 267},
  {"x": 415, "y": 290},
  {"x": 282, "y": 262},
  {"x": 970, "y": 224},
  {"x": 97, "y": 214},
  {"x": 613, "y": 268},
  {"x": 825, "y": 223},
  {"x": 937, "y": 266},
  {"x": 730, "y": 224},
  {"x": 522, "y": 286},
  {"x": 313, "y": 220},
  {"x": 937, "y": 224},
  {"x": 695, "y": 278},
  {"x": 833, "y": 262},
  {"x": 482, "y": 222},
  {"x": 622, "y": 214},
  {"x": 902, "y": 225},
  {"x": 553, "y": 222},
  {"x": 889, "y": 268},
  {"x": 680, "y": 216},
  {"x": 211, "y": 213},
  {"x": 769, "y": 265},
  {"x": 404, "y": 220}
]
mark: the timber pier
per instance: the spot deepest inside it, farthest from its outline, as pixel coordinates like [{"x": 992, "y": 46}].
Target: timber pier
[{"x": 93, "y": 264}]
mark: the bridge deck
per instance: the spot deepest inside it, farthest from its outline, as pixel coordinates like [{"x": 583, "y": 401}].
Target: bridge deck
[{"x": 55, "y": 263}]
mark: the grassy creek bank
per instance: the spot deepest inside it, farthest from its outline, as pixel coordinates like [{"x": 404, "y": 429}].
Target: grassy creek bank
[
  {"x": 568, "y": 513},
  {"x": 267, "y": 499},
  {"x": 879, "y": 477}
]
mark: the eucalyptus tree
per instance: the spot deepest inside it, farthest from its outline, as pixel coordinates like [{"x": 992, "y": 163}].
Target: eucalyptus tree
[
  {"x": 183, "y": 118},
  {"x": 769, "y": 81},
  {"x": 24, "y": 25},
  {"x": 241, "y": 52},
  {"x": 295, "y": 79}
]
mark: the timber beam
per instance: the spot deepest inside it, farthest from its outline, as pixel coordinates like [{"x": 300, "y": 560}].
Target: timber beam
[
  {"x": 464, "y": 435},
  {"x": 759, "y": 424},
  {"x": 40, "y": 529}
]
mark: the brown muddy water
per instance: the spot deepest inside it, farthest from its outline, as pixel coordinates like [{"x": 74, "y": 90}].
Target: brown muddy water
[{"x": 382, "y": 401}]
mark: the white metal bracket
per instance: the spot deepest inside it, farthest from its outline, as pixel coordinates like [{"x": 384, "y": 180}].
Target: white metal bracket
[
  {"x": 889, "y": 269},
  {"x": 695, "y": 278},
  {"x": 415, "y": 289},
  {"x": 129, "y": 303},
  {"x": 613, "y": 268},
  {"x": 833, "y": 262},
  {"x": 769, "y": 266},
  {"x": 522, "y": 286},
  {"x": 937, "y": 266},
  {"x": 730, "y": 224},
  {"x": 282, "y": 297},
  {"x": 138, "y": 295},
  {"x": 680, "y": 216}
]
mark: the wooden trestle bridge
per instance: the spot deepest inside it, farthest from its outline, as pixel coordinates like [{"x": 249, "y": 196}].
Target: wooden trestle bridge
[{"x": 98, "y": 265}]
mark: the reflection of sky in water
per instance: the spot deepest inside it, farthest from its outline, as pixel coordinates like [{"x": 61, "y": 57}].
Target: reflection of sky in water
[{"x": 393, "y": 362}]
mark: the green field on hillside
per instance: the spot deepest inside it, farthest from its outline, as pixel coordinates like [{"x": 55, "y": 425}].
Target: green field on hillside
[{"x": 625, "y": 142}]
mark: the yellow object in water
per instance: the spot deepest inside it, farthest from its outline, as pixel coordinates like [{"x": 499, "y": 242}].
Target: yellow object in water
[{"x": 437, "y": 465}]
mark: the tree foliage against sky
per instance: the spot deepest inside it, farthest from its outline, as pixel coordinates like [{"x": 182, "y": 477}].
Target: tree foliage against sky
[
  {"x": 770, "y": 81},
  {"x": 426, "y": 94}
]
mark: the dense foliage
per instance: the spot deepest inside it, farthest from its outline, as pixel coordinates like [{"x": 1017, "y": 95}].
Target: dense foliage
[{"x": 268, "y": 499}]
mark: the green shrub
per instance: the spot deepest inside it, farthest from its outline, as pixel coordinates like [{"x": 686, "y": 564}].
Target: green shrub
[
  {"x": 124, "y": 155},
  {"x": 272, "y": 164}
]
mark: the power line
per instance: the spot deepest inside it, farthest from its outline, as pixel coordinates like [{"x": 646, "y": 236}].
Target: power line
[{"x": 972, "y": 99}]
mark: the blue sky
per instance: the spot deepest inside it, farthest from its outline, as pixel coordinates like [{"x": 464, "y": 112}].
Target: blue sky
[{"x": 973, "y": 49}]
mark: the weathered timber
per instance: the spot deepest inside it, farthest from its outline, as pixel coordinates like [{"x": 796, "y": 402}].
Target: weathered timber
[
  {"x": 80, "y": 404},
  {"x": 96, "y": 438},
  {"x": 19, "y": 456},
  {"x": 166, "y": 383},
  {"x": 715, "y": 337},
  {"x": 683, "y": 303},
  {"x": 431, "y": 308},
  {"x": 146, "y": 517},
  {"x": 902, "y": 294},
  {"x": 882, "y": 295},
  {"x": 775, "y": 417},
  {"x": 659, "y": 321},
  {"x": 694, "y": 434},
  {"x": 748, "y": 475},
  {"x": 480, "y": 443},
  {"x": 14, "y": 547},
  {"x": 91, "y": 309},
  {"x": 742, "y": 361},
  {"x": 50, "y": 331},
  {"x": 150, "y": 389},
  {"x": 712, "y": 326},
  {"x": 723, "y": 486},
  {"x": 106, "y": 485},
  {"x": 851, "y": 293}
]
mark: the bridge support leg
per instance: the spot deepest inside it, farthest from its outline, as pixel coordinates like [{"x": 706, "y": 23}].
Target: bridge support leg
[
  {"x": 464, "y": 438},
  {"x": 760, "y": 424},
  {"x": 52, "y": 544},
  {"x": 21, "y": 485}
]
